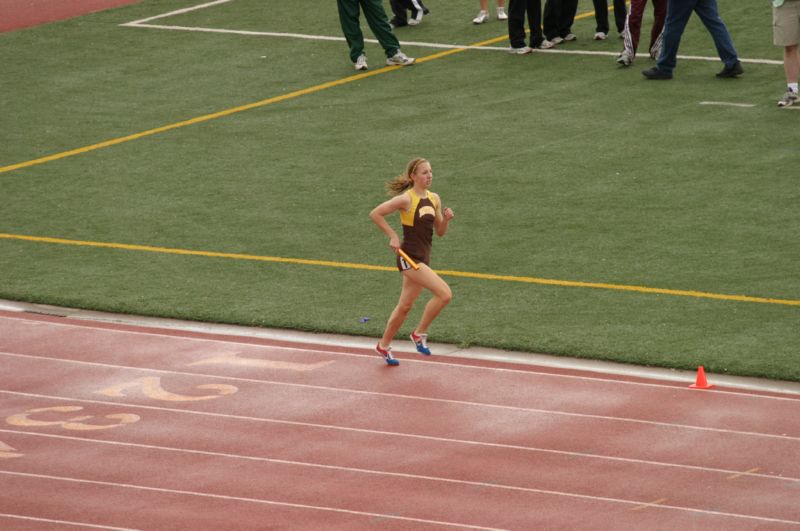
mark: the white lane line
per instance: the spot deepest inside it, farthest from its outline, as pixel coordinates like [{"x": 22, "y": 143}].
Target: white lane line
[
  {"x": 175, "y": 334},
  {"x": 63, "y": 522},
  {"x": 448, "y": 401},
  {"x": 405, "y": 435},
  {"x": 177, "y": 12},
  {"x": 243, "y": 499},
  {"x": 451, "y": 524},
  {"x": 748, "y": 473},
  {"x": 727, "y": 104}
]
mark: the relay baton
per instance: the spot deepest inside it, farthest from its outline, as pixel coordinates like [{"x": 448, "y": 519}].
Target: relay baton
[{"x": 408, "y": 259}]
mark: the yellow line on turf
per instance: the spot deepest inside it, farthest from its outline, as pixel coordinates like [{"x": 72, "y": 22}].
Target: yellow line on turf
[
  {"x": 349, "y": 265},
  {"x": 196, "y": 120},
  {"x": 242, "y": 108}
]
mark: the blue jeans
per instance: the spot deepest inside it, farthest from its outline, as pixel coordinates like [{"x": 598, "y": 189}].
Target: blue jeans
[{"x": 678, "y": 13}]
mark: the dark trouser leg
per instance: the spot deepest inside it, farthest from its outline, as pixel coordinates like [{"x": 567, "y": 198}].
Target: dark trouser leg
[
  {"x": 516, "y": 23},
  {"x": 379, "y": 24},
  {"x": 348, "y": 18},
  {"x": 709, "y": 13},
  {"x": 399, "y": 12},
  {"x": 620, "y": 12},
  {"x": 635, "y": 24},
  {"x": 550, "y": 18},
  {"x": 659, "y": 15},
  {"x": 535, "y": 22},
  {"x": 601, "y": 15},
  {"x": 678, "y": 13},
  {"x": 569, "y": 8}
]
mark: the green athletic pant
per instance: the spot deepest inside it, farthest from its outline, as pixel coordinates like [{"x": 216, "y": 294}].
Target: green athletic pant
[{"x": 378, "y": 23}]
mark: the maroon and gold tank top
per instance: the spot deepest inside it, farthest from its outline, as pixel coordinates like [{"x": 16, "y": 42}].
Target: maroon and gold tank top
[{"x": 418, "y": 226}]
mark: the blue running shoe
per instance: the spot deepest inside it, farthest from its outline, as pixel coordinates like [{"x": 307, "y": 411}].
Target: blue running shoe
[
  {"x": 421, "y": 342},
  {"x": 387, "y": 355}
]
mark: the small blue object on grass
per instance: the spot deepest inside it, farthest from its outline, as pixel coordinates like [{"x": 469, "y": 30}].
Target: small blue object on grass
[{"x": 363, "y": 320}]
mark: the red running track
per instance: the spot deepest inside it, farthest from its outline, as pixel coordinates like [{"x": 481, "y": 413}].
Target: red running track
[
  {"x": 122, "y": 427},
  {"x": 18, "y": 14}
]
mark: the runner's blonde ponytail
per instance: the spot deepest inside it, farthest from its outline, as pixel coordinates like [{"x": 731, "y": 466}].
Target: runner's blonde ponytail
[{"x": 403, "y": 182}]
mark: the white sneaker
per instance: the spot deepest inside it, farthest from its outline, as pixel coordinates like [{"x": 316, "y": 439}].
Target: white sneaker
[
  {"x": 570, "y": 37},
  {"x": 501, "y": 14},
  {"x": 416, "y": 18},
  {"x": 482, "y": 17},
  {"x": 361, "y": 62},
  {"x": 624, "y": 59},
  {"x": 600, "y": 36},
  {"x": 546, "y": 45},
  {"x": 520, "y": 51},
  {"x": 788, "y": 99},
  {"x": 400, "y": 59},
  {"x": 556, "y": 40}
]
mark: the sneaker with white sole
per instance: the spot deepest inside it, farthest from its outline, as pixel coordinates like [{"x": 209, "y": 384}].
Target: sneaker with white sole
[
  {"x": 421, "y": 342},
  {"x": 387, "y": 355},
  {"x": 557, "y": 40},
  {"x": 400, "y": 59},
  {"x": 600, "y": 36},
  {"x": 624, "y": 59},
  {"x": 520, "y": 51},
  {"x": 416, "y": 17},
  {"x": 482, "y": 17},
  {"x": 361, "y": 62},
  {"x": 501, "y": 14},
  {"x": 788, "y": 99},
  {"x": 569, "y": 37},
  {"x": 546, "y": 45}
]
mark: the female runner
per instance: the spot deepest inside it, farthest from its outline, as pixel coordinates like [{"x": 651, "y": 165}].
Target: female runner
[{"x": 420, "y": 213}]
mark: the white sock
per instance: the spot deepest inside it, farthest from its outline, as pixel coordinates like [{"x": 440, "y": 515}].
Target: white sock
[{"x": 793, "y": 87}]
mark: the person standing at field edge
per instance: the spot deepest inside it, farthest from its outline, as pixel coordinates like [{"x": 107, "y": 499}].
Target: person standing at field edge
[
  {"x": 349, "y": 12},
  {"x": 678, "y": 13},
  {"x": 786, "y": 33},
  {"x": 420, "y": 213}
]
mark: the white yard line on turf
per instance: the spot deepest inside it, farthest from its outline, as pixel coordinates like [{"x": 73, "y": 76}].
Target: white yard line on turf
[
  {"x": 177, "y": 12},
  {"x": 727, "y": 104},
  {"x": 143, "y": 24}
]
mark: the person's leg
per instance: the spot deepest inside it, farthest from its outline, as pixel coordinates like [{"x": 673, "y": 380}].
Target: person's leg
[
  {"x": 535, "y": 22},
  {"x": 569, "y": 8},
  {"x": 379, "y": 24},
  {"x": 791, "y": 63},
  {"x": 516, "y": 23},
  {"x": 620, "y": 12},
  {"x": 657, "y": 31},
  {"x": 427, "y": 278},
  {"x": 483, "y": 14},
  {"x": 550, "y": 18},
  {"x": 709, "y": 13},
  {"x": 400, "y": 13},
  {"x": 633, "y": 31},
  {"x": 348, "y": 18},
  {"x": 678, "y": 13},
  {"x": 601, "y": 16},
  {"x": 408, "y": 295},
  {"x": 418, "y": 9}
]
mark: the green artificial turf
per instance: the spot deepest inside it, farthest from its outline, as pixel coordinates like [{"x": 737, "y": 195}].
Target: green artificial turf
[{"x": 558, "y": 166}]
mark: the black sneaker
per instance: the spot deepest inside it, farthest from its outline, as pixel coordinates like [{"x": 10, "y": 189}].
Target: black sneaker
[
  {"x": 732, "y": 71},
  {"x": 655, "y": 73},
  {"x": 397, "y": 23}
]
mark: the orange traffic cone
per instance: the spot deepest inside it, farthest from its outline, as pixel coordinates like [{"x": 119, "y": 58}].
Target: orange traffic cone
[{"x": 701, "y": 382}]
